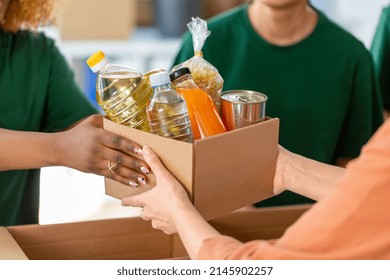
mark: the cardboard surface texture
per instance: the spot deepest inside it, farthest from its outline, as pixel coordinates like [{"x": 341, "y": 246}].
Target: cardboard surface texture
[
  {"x": 212, "y": 8},
  {"x": 221, "y": 173},
  {"x": 98, "y": 20},
  {"x": 9, "y": 249},
  {"x": 133, "y": 238}
]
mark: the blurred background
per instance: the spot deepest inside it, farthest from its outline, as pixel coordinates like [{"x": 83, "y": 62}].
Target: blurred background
[{"x": 144, "y": 34}]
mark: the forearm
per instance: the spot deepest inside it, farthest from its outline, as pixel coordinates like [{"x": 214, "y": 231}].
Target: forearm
[
  {"x": 193, "y": 229},
  {"x": 310, "y": 178},
  {"x": 26, "y": 150},
  {"x": 299, "y": 174}
]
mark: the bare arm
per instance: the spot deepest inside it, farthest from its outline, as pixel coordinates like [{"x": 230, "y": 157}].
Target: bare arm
[
  {"x": 293, "y": 172},
  {"x": 304, "y": 176},
  {"x": 26, "y": 150},
  {"x": 86, "y": 147}
]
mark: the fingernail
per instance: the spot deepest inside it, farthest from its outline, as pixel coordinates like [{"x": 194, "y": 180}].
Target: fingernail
[
  {"x": 138, "y": 151},
  {"x": 142, "y": 180},
  {"x": 123, "y": 204},
  {"x": 145, "y": 170},
  {"x": 133, "y": 184}
]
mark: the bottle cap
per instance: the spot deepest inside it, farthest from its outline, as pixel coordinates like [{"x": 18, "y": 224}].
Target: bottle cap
[
  {"x": 179, "y": 72},
  {"x": 158, "y": 79},
  {"x": 97, "y": 61}
]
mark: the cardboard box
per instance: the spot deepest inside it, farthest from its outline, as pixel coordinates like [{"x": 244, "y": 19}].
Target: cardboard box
[
  {"x": 145, "y": 13},
  {"x": 98, "y": 20},
  {"x": 221, "y": 173},
  {"x": 212, "y": 8},
  {"x": 132, "y": 238}
]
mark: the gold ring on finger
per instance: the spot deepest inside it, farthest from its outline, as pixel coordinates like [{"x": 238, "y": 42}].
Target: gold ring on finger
[{"x": 112, "y": 167}]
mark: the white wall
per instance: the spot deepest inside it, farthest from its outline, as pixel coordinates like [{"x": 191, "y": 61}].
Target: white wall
[{"x": 360, "y": 17}]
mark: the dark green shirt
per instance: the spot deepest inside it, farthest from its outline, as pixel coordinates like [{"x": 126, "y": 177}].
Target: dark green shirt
[
  {"x": 37, "y": 93},
  {"x": 380, "y": 49},
  {"x": 323, "y": 88}
]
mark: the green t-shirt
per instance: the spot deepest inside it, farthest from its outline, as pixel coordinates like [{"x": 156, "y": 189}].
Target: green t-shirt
[
  {"x": 323, "y": 88},
  {"x": 37, "y": 93},
  {"x": 380, "y": 49}
]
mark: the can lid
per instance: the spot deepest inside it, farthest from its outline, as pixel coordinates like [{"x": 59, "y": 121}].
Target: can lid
[
  {"x": 97, "y": 61},
  {"x": 179, "y": 73},
  {"x": 159, "y": 79},
  {"x": 244, "y": 96}
]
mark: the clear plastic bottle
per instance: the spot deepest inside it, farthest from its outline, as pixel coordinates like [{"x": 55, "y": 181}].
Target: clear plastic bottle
[
  {"x": 204, "y": 115},
  {"x": 167, "y": 111},
  {"x": 121, "y": 91}
]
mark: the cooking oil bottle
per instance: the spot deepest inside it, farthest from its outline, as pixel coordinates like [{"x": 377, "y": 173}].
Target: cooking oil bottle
[
  {"x": 167, "y": 111},
  {"x": 121, "y": 91},
  {"x": 204, "y": 115}
]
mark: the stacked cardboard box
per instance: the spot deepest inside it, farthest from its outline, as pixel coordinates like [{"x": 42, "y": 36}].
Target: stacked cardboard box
[{"x": 98, "y": 20}]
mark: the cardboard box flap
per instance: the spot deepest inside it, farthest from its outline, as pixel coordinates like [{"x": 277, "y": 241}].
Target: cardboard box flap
[
  {"x": 177, "y": 157},
  {"x": 263, "y": 223},
  {"x": 9, "y": 249},
  {"x": 217, "y": 154},
  {"x": 117, "y": 239}
]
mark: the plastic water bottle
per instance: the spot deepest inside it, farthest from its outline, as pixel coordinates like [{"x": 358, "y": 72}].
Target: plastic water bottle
[
  {"x": 167, "y": 111},
  {"x": 204, "y": 115},
  {"x": 121, "y": 91}
]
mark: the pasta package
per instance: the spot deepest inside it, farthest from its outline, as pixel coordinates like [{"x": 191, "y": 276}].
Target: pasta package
[{"x": 205, "y": 75}]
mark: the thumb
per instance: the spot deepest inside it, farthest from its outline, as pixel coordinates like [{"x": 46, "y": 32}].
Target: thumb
[
  {"x": 153, "y": 161},
  {"x": 134, "y": 200}
]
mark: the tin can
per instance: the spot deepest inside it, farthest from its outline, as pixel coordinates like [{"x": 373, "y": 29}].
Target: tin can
[{"x": 242, "y": 108}]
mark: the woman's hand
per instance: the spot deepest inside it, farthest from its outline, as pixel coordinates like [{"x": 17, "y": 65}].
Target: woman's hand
[
  {"x": 89, "y": 148},
  {"x": 162, "y": 204}
]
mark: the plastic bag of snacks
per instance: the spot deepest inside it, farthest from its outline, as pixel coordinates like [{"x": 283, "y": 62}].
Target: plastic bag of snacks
[{"x": 204, "y": 74}]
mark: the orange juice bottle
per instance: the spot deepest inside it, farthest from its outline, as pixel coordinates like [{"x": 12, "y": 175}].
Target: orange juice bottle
[{"x": 204, "y": 116}]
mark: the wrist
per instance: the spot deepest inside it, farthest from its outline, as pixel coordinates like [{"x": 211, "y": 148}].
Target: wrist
[
  {"x": 55, "y": 149},
  {"x": 283, "y": 163},
  {"x": 182, "y": 211}
]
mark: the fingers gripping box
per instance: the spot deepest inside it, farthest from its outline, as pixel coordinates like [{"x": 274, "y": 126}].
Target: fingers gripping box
[{"x": 221, "y": 173}]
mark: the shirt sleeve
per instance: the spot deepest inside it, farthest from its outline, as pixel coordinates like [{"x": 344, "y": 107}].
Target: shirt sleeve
[
  {"x": 66, "y": 103},
  {"x": 352, "y": 222},
  {"x": 380, "y": 49}
]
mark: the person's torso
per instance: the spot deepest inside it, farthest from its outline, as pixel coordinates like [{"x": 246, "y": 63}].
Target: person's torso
[{"x": 27, "y": 103}]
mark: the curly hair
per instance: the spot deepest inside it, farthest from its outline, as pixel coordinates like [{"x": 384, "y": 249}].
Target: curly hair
[{"x": 29, "y": 14}]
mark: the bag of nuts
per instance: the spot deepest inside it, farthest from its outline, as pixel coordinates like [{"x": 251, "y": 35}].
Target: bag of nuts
[{"x": 205, "y": 75}]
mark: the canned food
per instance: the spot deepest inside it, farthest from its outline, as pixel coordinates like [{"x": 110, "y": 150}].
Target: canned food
[{"x": 242, "y": 108}]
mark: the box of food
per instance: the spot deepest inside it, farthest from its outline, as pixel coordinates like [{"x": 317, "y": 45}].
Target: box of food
[
  {"x": 132, "y": 238},
  {"x": 220, "y": 173}
]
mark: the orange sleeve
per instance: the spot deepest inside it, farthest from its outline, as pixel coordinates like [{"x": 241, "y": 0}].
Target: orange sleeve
[{"x": 352, "y": 222}]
